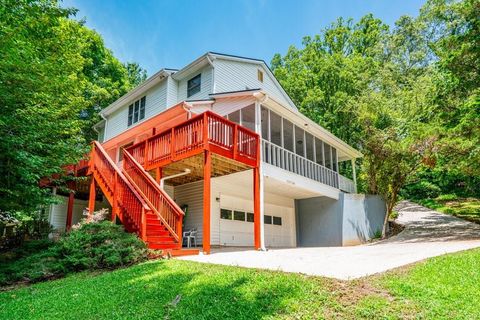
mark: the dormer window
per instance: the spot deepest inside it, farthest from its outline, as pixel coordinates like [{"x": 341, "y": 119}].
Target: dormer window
[
  {"x": 259, "y": 75},
  {"x": 136, "y": 111},
  {"x": 194, "y": 85}
]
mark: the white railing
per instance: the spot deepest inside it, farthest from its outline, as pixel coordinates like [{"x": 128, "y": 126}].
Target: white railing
[
  {"x": 346, "y": 184},
  {"x": 287, "y": 160}
]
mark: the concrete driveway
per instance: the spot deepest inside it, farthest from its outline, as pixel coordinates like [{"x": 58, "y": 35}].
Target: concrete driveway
[{"x": 427, "y": 234}]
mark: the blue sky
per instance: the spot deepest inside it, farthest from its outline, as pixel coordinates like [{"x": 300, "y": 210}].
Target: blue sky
[{"x": 161, "y": 33}]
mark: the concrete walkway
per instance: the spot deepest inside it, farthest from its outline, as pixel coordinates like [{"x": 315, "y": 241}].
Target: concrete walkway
[{"x": 427, "y": 234}]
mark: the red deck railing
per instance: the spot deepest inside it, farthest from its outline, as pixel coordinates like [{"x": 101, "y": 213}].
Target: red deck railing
[
  {"x": 162, "y": 205},
  {"x": 120, "y": 192},
  {"x": 206, "y": 131}
]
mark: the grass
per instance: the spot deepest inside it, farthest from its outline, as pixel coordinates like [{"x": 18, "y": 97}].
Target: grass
[
  {"x": 465, "y": 208},
  {"x": 441, "y": 288}
]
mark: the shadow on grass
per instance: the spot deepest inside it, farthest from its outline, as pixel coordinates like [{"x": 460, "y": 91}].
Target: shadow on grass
[{"x": 158, "y": 290}]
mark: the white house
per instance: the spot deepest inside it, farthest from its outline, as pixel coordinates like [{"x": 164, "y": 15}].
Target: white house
[{"x": 296, "y": 189}]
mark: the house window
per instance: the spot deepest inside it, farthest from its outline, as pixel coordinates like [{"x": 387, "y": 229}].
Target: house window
[
  {"x": 239, "y": 215},
  {"x": 226, "y": 214},
  {"x": 259, "y": 75},
  {"x": 277, "y": 221},
  {"x": 136, "y": 111},
  {"x": 250, "y": 217},
  {"x": 194, "y": 85},
  {"x": 267, "y": 219}
]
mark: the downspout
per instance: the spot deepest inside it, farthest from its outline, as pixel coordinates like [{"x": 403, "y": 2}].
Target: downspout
[
  {"x": 162, "y": 180},
  {"x": 104, "y": 128},
  {"x": 187, "y": 107}
]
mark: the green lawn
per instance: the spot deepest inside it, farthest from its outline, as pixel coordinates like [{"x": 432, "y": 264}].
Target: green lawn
[
  {"x": 465, "y": 208},
  {"x": 445, "y": 287}
]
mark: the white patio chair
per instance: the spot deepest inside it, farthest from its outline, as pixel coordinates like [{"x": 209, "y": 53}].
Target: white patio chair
[
  {"x": 192, "y": 236},
  {"x": 185, "y": 237}
]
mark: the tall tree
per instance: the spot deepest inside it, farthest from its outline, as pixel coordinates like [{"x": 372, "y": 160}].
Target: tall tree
[{"x": 54, "y": 75}]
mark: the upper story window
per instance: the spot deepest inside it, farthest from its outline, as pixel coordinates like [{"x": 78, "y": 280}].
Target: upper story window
[
  {"x": 259, "y": 75},
  {"x": 136, "y": 111},
  {"x": 194, "y": 85}
]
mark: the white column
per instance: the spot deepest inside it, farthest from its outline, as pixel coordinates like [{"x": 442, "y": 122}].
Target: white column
[{"x": 258, "y": 129}]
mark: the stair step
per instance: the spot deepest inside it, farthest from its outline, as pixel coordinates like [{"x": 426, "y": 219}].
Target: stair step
[
  {"x": 153, "y": 220},
  {"x": 160, "y": 239},
  {"x": 182, "y": 252},
  {"x": 156, "y": 227},
  {"x": 156, "y": 233},
  {"x": 159, "y": 246}
]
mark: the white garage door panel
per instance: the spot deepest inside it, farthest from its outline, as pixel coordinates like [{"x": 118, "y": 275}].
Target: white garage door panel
[
  {"x": 280, "y": 236},
  {"x": 240, "y": 233}
]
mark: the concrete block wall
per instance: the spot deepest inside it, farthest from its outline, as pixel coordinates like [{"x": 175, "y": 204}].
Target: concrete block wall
[{"x": 352, "y": 219}]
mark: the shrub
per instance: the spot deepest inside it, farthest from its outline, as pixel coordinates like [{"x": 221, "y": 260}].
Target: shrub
[
  {"x": 447, "y": 197},
  {"x": 421, "y": 190},
  {"x": 98, "y": 246},
  {"x": 394, "y": 215},
  {"x": 91, "y": 245}
]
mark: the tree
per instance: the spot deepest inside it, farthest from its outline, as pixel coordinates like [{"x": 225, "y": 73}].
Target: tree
[
  {"x": 136, "y": 74},
  {"x": 54, "y": 74},
  {"x": 331, "y": 70},
  {"x": 374, "y": 88}
]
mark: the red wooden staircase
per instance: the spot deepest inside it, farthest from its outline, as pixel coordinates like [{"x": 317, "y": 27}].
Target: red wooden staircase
[{"x": 137, "y": 200}]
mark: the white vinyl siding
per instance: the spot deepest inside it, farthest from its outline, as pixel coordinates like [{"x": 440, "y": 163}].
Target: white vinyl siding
[
  {"x": 191, "y": 194},
  {"x": 237, "y": 76},
  {"x": 156, "y": 102},
  {"x": 206, "y": 85},
  {"x": 58, "y": 212},
  {"x": 229, "y": 105},
  {"x": 172, "y": 92}
]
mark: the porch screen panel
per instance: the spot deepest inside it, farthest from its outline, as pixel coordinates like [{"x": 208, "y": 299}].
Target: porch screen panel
[
  {"x": 328, "y": 156},
  {"x": 334, "y": 159},
  {"x": 319, "y": 151},
  {"x": 264, "y": 121},
  {"x": 299, "y": 141},
  {"x": 275, "y": 128},
  {"x": 309, "y": 146},
  {"x": 248, "y": 117},
  {"x": 234, "y": 116},
  {"x": 287, "y": 135}
]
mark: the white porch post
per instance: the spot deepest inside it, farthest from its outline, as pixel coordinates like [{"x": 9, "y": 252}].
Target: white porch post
[
  {"x": 354, "y": 174},
  {"x": 258, "y": 130}
]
